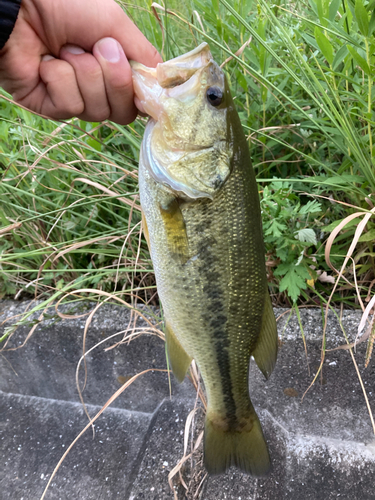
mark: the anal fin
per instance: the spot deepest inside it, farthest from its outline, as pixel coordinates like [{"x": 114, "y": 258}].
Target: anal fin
[
  {"x": 175, "y": 228},
  {"x": 265, "y": 352},
  {"x": 178, "y": 358}
]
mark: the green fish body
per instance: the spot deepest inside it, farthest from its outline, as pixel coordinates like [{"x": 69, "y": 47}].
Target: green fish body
[{"x": 202, "y": 221}]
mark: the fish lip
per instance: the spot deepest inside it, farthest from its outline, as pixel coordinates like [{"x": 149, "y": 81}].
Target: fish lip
[
  {"x": 179, "y": 70},
  {"x": 176, "y": 71},
  {"x": 151, "y": 83}
]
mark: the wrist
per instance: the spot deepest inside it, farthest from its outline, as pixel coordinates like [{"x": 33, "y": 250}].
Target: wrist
[{"x": 8, "y": 15}]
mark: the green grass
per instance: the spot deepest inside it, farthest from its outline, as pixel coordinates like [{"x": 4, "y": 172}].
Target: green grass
[{"x": 304, "y": 92}]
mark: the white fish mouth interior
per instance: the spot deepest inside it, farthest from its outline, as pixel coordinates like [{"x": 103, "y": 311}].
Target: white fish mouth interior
[{"x": 179, "y": 70}]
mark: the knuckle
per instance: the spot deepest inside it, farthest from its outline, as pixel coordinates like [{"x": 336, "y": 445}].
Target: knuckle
[
  {"x": 63, "y": 72},
  {"x": 96, "y": 116},
  {"x": 65, "y": 109},
  {"x": 122, "y": 82},
  {"x": 124, "y": 118},
  {"x": 89, "y": 67},
  {"x": 95, "y": 74},
  {"x": 75, "y": 108}
]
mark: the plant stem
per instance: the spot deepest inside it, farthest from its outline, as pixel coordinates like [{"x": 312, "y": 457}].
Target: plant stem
[
  {"x": 264, "y": 126},
  {"x": 369, "y": 97},
  {"x": 347, "y": 25}
]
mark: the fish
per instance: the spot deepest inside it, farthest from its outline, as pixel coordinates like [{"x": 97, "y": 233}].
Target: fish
[{"x": 202, "y": 221}]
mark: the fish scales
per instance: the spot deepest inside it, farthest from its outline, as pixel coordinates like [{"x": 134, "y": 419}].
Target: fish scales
[{"x": 208, "y": 256}]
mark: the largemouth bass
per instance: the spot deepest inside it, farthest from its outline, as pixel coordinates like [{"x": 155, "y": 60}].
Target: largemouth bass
[{"x": 202, "y": 222}]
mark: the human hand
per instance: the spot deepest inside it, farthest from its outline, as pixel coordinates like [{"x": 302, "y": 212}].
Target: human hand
[{"x": 69, "y": 58}]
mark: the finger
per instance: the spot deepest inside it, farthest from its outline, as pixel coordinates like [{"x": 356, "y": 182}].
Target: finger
[
  {"x": 56, "y": 95},
  {"x": 135, "y": 44},
  {"x": 117, "y": 79},
  {"x": 89, "y": 76},
  {"x": 105, "y": 19}
]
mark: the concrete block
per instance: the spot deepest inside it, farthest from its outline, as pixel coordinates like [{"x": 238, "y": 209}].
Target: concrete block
[
  {"x": 46, "y": 365},
  {"x": 322, "y": 446},
  {"x": 34, "y": 434}
]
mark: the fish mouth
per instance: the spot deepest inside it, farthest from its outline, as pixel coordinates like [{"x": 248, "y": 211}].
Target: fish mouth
[
  {"x": 175, "y": 75},
  {"x": 178, "y": 70}
]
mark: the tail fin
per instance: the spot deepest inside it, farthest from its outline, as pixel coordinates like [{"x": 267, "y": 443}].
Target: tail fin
[{"x": 246, "y": 449}]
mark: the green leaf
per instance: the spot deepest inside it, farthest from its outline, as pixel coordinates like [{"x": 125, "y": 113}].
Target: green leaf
[
  {"x": 294, "y": 281},
  {"x": 333, "y": 8},
  {"x": 335, "y": 223},
  {"x": 371, "y": 26},
  {"x": 241, "y": 80},
  {"x": 215, "y": 6},
  {"x": 359, "y": 60},
  {"x": 69, "y": 224},
  {"x": 340, "y": 55},
  {"x": 262, "y": 28},
  {"x": 60, "y": 285},
  {"x": 94, "y": 144},
  {"x": 322, "y": 12},
  {"x": 369, "y": 236},
  {"x": 306, "y": 236},
  {"x": 264, "y": 94},
  {"x": 309, "y": 40},
  {"x": 311, "y": 207},
  {"x": 275, "y": 229},
  {"x": 338, "y": 180},
  {"x": 313, "y": 6},
  {"x": 324, "y": 45},
  {"x": 361, "y": 17}
]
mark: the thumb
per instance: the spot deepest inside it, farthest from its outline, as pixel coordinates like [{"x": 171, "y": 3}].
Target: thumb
[{"x": 117, "y": 79}]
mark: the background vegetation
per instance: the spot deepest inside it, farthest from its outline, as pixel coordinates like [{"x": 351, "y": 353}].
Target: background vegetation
[{"x": 302, "y": 76}]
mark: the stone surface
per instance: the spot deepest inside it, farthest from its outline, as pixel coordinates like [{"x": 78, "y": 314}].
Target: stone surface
[
  {"x": 56, "y": 347},
  {"x": 322, "y": 446},
  {"x": 35, "y": 433},
  {"x": 164, "y": 445}
]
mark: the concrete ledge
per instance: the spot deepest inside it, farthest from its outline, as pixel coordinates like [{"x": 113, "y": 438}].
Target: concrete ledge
[
  {"x": 35, "y": 433},
  {"x": 322, "y": 447}
]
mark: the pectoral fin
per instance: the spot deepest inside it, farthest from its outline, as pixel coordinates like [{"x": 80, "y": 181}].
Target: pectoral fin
[
  {"x": 145, "y": 230},
  {"x": 176, "y": 231},
  {"x": 265, "y": 352},
  {"x": 179, "y": 360}
]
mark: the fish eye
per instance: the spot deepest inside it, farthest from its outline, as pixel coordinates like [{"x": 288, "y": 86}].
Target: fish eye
[{"x": 215, "y": 96}]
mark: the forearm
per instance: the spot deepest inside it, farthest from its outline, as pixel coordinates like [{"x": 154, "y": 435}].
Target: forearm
[{"x": 8, "y": 16}]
